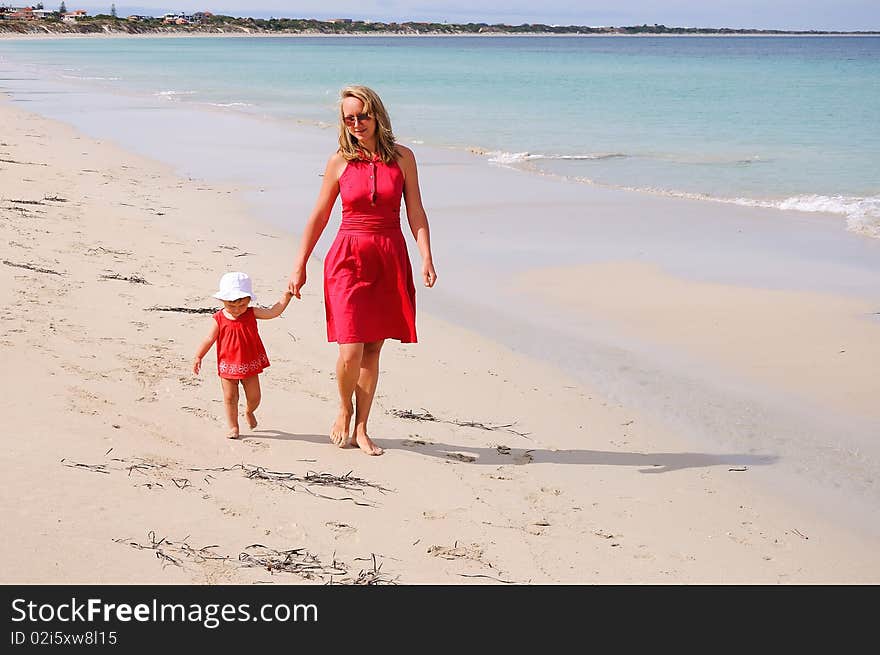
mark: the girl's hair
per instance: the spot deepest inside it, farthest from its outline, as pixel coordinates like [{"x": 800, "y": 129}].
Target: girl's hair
[{"x": 385, "y": 142}]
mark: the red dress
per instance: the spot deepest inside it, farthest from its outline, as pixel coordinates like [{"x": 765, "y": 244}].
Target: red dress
[
  {"x": 369, "y": 293},
  {"x": 240, "y": 351}
]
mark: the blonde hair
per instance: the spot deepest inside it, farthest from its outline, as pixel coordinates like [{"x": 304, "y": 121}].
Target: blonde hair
[{"x": 385, "y": 142}]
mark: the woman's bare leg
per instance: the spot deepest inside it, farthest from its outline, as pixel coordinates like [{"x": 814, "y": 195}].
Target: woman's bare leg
[
  {"x": 252, "y": 395},
  {"x": 364, "y": 393},
  {"x": 230, "y": 405},
  {"x": 347, "y": 370}
]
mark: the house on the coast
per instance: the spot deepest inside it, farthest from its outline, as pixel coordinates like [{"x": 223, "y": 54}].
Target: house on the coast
[
  {"x": 73, "y": 16},
  {"x": 176, "y": 18},
  {"x": 26, "y": 13},
  {"x": 21, "y": 13}
]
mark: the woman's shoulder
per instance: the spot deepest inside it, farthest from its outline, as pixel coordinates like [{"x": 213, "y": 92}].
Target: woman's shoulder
[
  {"x": 404, "y": 153},
  {"x": 336, "y": 165},
  {"x": 406, "y": 160},
  {"x": 336, "y": 158},
  {"x": 337, "y": 161}
]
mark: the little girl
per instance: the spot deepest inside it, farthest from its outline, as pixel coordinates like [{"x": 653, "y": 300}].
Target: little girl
[{"x": 240, "y": 352}]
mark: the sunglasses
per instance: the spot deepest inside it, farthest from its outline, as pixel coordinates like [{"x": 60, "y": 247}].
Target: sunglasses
[{"x": 359, "y": 118}]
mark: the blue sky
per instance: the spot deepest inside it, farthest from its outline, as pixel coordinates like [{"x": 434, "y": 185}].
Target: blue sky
[{"x": 761, "y": 14}]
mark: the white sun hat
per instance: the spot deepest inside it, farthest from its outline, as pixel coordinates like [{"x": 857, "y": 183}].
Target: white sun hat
[{"x": 235, "y": 285}]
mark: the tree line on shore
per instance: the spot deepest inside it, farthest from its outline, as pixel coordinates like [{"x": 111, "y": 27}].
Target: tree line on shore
[{"x": 104, "y": 23}]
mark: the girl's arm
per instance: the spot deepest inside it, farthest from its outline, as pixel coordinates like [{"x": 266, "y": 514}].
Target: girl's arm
[
  {"x": 204, "y": 347},
  {"x": 276, "y": 309},
  {"x": 317, "y": 221},
  {"x": 415, "y": 213}
]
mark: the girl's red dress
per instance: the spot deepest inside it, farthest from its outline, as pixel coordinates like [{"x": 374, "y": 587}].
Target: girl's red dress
[
  {"x": 240, "y": 351},
  {"x": 369, "y": 293}
]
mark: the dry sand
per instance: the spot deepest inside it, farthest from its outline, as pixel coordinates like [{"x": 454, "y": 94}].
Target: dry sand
[{"x": 563, "y": 488}]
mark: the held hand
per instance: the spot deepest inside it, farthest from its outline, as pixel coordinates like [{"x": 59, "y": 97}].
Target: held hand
[
  {"x": 429, "y": 274},
  {"x": 197, "y": 365},
  {"x": 297, "y": 282}
]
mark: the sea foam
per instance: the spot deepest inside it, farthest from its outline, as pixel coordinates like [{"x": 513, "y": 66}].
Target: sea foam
[
  {"x": 862, "y": 213},
  {"x": 512, "y": 158}
]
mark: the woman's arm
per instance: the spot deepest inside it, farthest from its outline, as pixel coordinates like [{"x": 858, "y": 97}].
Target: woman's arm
[
  {"x": 276, "y": 309},
  {"x": 317, "y": 221},
  {"x": 415, "y": 213},
  {"x": 204, "y": 347}
]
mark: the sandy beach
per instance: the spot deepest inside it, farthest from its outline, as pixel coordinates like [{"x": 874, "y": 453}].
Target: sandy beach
[
  {"x": 716, "y": 323},
  {"x": 499, "y": 468}
]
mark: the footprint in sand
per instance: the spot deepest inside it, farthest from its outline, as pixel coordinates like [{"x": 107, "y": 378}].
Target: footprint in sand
[
  {"x": 469, "y": 551},
  {"x": 254, "y": 444},
  {"x": 341, "y": 529},
  {"x": 411, "y": 443},
  {"x": 197, "y": 411},
  {"x": 605, "y": 535},
  {"x": 537, "y": 528},
  {"x": 85, "y": 402},
  {"x": 461, "y": 457}
]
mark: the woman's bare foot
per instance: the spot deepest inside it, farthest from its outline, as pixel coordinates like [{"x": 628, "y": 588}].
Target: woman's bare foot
[
  {"x": 251, "y": 420},
  {"x": 232, "y": 434},
  {"x": 366, "y": 444},
  {"x": 339, "y": 432}
]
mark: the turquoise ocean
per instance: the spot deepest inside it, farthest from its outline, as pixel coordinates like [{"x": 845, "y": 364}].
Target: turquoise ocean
[{"x": 788, "y": 122}]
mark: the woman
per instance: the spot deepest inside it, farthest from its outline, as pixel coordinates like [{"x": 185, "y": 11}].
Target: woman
[{"x": 368, "y": 285}]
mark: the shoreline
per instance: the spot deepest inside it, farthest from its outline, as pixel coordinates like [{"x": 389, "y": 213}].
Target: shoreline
[
  {"x": 708, "y": 402},
  {"x": 588, "y": 492},
  {"x": 853, "y": 204},
  {"x": 493, "y": 385}
]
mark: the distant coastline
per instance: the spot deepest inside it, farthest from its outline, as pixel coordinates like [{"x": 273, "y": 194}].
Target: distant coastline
[{"x": 224, "y": 25}]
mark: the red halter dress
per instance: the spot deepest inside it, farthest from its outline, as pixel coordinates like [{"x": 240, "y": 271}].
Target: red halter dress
[{"x": 369, "y": 293}]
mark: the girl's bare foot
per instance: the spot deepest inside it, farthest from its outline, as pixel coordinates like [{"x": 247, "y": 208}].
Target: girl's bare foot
[
  {"x": 251, "y": 420},
  {"x": 339, "y": 432},
  {"x": 232, "y": 434},
  {"x": 366, "y": 444}
]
